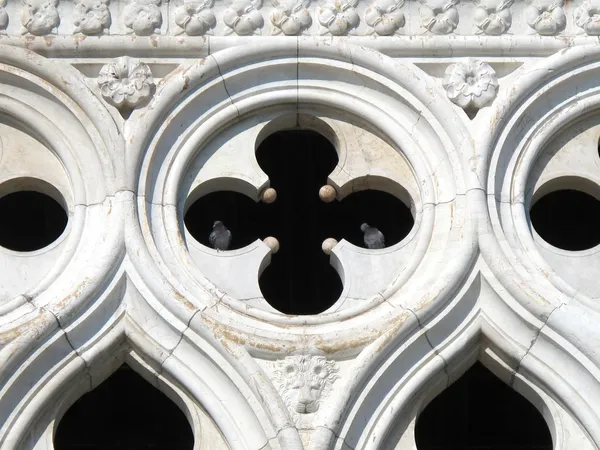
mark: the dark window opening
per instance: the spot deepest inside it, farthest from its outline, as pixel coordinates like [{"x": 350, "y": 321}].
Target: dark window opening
[
  {"x": 30, "y": 221},
  {"x": 567, "y": 219},
  {"x": 299, "y": 279},
  {"x": 245, "y": 218},
  {"x": 481, "y": 412},
  {"x": 127, "y": 413}
]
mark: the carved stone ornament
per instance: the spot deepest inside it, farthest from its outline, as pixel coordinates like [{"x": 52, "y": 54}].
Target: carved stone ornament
[
  {"x": 195, "y": 18},
  {"x": 587, "y": 17},
  {"x": 290, "y": 18},
  {"x": 547, "y": 17},
  {"x": 143, "y": 17},
  {"x": 91, "y": 17},
  {"x": 493, "y": 17},
  {"x": 3, "y": 15},
  {"x": 471, "y": 84},
  {"x": 439, "y": 16},
  {"x": 244, "y": 18},
  {"x": 385, "y": 17},
  {"x": 126, "y": 83},
  {"x": 339, "y": 17},
  {"x": 304, "y": 381},
  {"x": 39, "y": 17}
]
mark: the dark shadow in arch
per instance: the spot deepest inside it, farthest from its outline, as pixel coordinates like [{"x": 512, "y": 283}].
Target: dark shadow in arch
[
  {"x": 30, "y": 221},
  {"x": 568, "y": 219},
  {"x": 299, "y": 279},
  {"x": 244, "y": 217},
  {"x": 480, "y": 412},
  {"x": 126, "y": 413}
]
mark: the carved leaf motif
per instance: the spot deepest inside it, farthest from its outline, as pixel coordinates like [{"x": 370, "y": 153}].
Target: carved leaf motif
[
  {"x": 244, "y": 18},
  {"x": 547, "y": 17},
  {"x": 587, "y": 17},
  {"x": 143, "y": 17},
  {"x": 3, "y": 15},
  {"x": 195, "y": 18},
  {"x": 290, "y": 19},
  {"x": 91, "y": 17},
  {"x": 439, "y": 16},
  {"x": 39, "y": 17},
  {"x": 385, "y": 17},
  {"x": 339, "y": 17},
  {"x": 493, "y": 17}
]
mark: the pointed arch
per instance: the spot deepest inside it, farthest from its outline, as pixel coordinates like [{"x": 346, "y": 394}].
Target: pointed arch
[
  {"x": 122, "y": 326},
  {"x": 398, "y": 375}
]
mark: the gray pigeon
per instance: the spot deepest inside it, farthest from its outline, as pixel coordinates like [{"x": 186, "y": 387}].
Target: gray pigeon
[
  {"x": 373, "y": 237},
  {"x": 220, "y": 238}
]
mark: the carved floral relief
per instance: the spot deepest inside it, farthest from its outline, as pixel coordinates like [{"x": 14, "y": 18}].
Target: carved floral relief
[
  {"x": 493, "y": 17},
  {"x": 3, "y": 15},
  {"x": 39, "y": 17},
  {"x": 195, "y": 18},
  {"x": 471, "y": 84},
  {"x": 244, "y": 18},
  {"x": 439, "y": 16},
  {"x": 384, "y": 17},
  {"x": 304, "y": 381},
  {"x": 547, "y": 17},
  {"x": 143, "y": 17},
  {"x": 91, "y": 16},
  {"x": 338, "y": 17},
  {"x": 587, "y": 17},
  {"x": 290, "y": 18},
  {"x": 126, "y": 83}
]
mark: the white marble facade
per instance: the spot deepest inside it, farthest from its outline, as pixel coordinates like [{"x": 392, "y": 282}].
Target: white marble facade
[{"x": 467, "y": 111}]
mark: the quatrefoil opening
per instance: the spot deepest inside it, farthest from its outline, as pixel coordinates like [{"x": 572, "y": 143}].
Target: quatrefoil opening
[{"x": 300, "y": 278}]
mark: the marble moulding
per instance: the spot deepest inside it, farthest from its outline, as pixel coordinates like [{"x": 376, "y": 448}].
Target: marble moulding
[{"x": 127, "y": 111}]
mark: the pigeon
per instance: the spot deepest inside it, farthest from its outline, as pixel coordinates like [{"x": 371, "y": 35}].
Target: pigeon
[
  {"x": 220, "y": 238},
  {"x": 373, "y": 237}
]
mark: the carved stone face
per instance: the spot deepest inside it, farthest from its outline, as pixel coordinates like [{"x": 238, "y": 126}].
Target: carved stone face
[{"x": 303, "y": 381}]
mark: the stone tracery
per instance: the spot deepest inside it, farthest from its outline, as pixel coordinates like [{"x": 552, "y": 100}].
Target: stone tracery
[{"x": 476, "y": 286}]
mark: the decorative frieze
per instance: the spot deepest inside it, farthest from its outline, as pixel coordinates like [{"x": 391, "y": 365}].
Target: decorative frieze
[{"x": 301, "y": 17}]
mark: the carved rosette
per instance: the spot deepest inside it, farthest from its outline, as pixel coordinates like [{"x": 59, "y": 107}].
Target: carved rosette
[
  {"x": 384, "y": 17},
  {"x": 493, "y": 17},
  {"x": 91, "y": 17},
  {"x": 338, "y": 17},
  {"x": 126, "y": 83},
  {"x": 143, "y": 17},
  {"x": 39, "y": 17},
  {"x": 547, "y": 17},
  {"x": 439, "y": 16},
  {"x": 303, "y": 382},
  {"x": 471, "y": 84},
  {"x": 243, "y": 17},
  {"x": 290, "y": 18},
  {"x": 195, "y": 18},
  {"x": 587, "y": 17}
]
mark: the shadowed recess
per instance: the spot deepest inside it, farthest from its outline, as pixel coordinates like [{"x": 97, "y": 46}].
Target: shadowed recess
[
  {"x": 245, "y": 218},
  {"x": 480, "y": 412},
  {"x": 30, "y": 221},
  {"x": 300, "y": 278},
  {"x": 567, "y": 219},
  {"x": 125, "y": 412}
]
